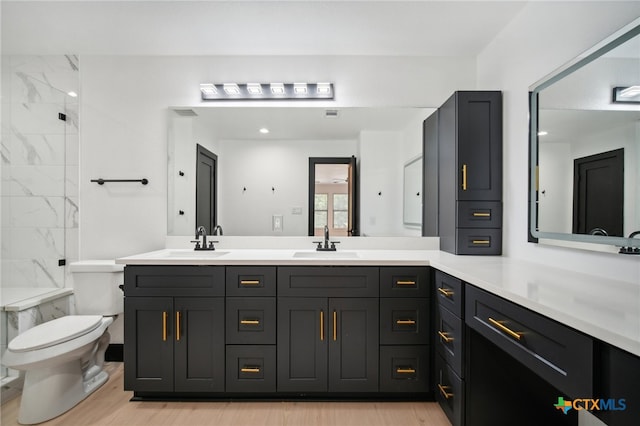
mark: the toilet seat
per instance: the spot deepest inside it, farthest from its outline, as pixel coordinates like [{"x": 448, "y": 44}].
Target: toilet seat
[{"x": 55, "y": 332}]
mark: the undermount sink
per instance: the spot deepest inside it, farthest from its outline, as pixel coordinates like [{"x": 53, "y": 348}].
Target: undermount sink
[
  {"x": 199, "y": 254},
  {"x": 326, "y": 254}
]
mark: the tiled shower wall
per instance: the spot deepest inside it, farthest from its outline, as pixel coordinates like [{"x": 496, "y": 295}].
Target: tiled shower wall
[{"x": 39, "y": 169}]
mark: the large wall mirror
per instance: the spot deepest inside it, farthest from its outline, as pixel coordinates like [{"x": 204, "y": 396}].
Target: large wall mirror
[
  {"x": 262, "y": 159},
  {"x": 585, "y": 150}
]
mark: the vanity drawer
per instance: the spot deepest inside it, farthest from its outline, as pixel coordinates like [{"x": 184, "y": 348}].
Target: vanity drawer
[
  {"x": 328, "y": 281},
  {"x": 251, "y": 368},
  {"x": 404, "y": 368},
  {"x": 479, "y": 214},
  {"x": 449, "y": 339},
  {"x": 405, "y": 281},
  {"x": 251, "y": 320},
  {"x": 479, "y": 241},
  {"x": 558, "y": 354},
  {"x": 450, "y": 293},
  {"x": 404, "y": 321},
  {"x": 251, "y": 280},
  {"x": 170, "y": 280},
  {"x": 449, "y": 392}
]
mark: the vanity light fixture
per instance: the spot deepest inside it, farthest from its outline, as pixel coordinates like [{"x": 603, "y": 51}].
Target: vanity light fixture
[
  {"x": 265, "y": 91},
  {"x": 629, "y": 94}
]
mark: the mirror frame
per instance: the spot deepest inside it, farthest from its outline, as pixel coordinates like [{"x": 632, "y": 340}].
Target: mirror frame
[{"x": 590, "y": 242}]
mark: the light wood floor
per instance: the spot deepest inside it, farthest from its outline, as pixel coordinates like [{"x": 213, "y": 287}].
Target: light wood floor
[{"x": 110, "y": 405}]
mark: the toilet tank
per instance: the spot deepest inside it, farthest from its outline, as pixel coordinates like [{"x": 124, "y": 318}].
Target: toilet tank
[{"x": 96, "y": 287}]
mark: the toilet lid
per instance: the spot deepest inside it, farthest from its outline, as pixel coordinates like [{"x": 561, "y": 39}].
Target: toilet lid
[{"x": 54, "y": 332}]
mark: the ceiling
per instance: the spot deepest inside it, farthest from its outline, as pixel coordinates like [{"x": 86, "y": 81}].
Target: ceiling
[{"x": 266, "y": 27}]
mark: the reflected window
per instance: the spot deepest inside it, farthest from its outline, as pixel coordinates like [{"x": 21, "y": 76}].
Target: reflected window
[
  {"x": 321, "y": 212},
  {"x": 340, "y": 211}
]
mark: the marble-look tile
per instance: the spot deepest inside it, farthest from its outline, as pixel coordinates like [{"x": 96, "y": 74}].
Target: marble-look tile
[
  {"x": 49, "y": 64},
  {"x": 35, "y": 243},
  {"x": 30, "y": 273},
  {"x": 72, "y": 180},
  {"x": 37, "y": 149},
  {"x": 37, "y": 118},
  {"x": 34, "y": 181},
  {"x": 71, "y": 110},
  {"x": 36, "y": 212},
  {"x": 72, "y": 150}
]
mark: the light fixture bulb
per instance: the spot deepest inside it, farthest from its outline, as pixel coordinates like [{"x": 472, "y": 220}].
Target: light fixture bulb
[
  {"x": 630, "y": 92},
  {"x": 300, "y": 88},
  {"x": 323, "y": 88},
  {"x": 254, "y": 88},
  {"x": 231, "y": 89},
  {"x": 277, "y": 88},
  {"x": 208, "y": 89}
]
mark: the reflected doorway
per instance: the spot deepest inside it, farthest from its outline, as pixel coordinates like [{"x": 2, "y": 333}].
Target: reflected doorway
[
  {"x": 333, "y": 196},
  {"x": 206, "y": 200}
]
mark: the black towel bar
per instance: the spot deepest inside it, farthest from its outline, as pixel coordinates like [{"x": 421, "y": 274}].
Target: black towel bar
[{"x": 103, "y": 181}]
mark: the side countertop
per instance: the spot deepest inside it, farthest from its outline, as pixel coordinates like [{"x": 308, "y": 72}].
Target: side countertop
[{"x": 606, "y": 309}]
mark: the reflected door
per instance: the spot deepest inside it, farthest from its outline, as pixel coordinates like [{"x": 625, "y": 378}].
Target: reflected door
[{"x": 206, "y": 206}]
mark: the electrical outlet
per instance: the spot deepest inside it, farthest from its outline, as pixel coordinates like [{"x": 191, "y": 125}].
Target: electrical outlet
[
  {"x": 276, "y": 222},
  {"x": 296, "y": 210}
]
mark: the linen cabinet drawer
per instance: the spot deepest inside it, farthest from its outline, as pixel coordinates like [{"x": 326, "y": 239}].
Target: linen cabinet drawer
[
  {"x": 558, "y": 354},
  {"x": 479, "y": 214},
  {"x": 328, "y": 281},
  {"x": 405, "y": 281},
  {"x": 449, "y": 392},
  {"x": 450, "y": 293},
  {"x": 251, "y": 320},
  {"x": 251, "y": 281},
  {"x": 479, "y": 241},
  {"x": 449, "y": 340},
  {"x": 171, "y": 280},
  {"x": 404, "y": 321},
  {"x": 404, "y": 368},
  {"x": 251, "y": 368}
]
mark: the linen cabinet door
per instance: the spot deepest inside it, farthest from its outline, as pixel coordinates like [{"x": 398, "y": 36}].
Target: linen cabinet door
[
  {"x": 302, "y": 344},
  {"x": 148, "y": 349},
  {"x": 353, "y": 345},
  {"x": 199, "y": 344}
]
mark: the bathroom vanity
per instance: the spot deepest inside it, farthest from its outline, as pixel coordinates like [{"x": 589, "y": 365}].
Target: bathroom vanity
[{"x": 470, "y": 332}]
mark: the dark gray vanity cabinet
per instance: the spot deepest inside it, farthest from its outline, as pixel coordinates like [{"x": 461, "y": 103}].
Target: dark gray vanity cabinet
[
  {"x": 174, "y": 344},
  {"x": 617, "y": 385},
  {"x": 469, "y": 151}
]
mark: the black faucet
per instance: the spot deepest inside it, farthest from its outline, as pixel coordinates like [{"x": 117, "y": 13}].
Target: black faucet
[
  {"x": 217, "y": 230},
  {"x": 326, "y": 246},
  {"x": 630, "y": 249},
  {"x": 201, "y": 230}
]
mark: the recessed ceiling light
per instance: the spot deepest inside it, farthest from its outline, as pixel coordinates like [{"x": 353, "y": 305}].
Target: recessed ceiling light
[
  {"x": 72, "y": 94},
  {"x": 231, "y": 89},
  {"x": 264, "y": 130},
  {"x": 542, "y": 133},
  {"x": 254, "y": 88}
]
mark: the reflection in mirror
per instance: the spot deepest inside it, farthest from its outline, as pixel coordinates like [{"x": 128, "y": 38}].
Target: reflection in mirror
[
  {"x": 412, "y": 193},
  {"x": 586, "y": 148},
  {"x": 262, "y": 175}
]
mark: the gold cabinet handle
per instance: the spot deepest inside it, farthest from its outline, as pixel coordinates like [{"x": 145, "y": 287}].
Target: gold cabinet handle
[
  {"x": 479, "y": 214},
  {"x": 505, "y": 329},
  {"x": 481, "y": 241},
  {"x": 464, "y": 177},
  {"x": 405, "y": 322},
  {"x": 321, "y": 325},
  {"x": 251, "y": 322},
  {"x": 178, "y": 315},
  {"x": 164, "y": 326},
  {"x": 249, "y": 282},
  {"x": 445, "y": 292},
  {"x": 405, "y": 370},
  {"x": 335, "y": 325},
  {"x": 443, "y": 391},
  {"x": 445, "y": 337},
  {"x": 250, "y": 369},
  {"x": 406, "y": 282}
]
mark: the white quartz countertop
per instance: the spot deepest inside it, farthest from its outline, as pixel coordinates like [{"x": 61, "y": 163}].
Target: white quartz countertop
[{"x": 606, "y": 309}]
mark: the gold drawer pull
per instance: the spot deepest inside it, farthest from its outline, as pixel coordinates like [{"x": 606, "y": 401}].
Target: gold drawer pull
[
  {"x": 481, "y": 241},
  {"x": 250, "y": 369},
  {"x": 405, "y": 370},
  {"x": 405, "y": 322},
  {"x": 506, "y": 329},
  {"x": 321, "y": 325},
  {"x": 445, "y": 337},
  {"x": 335, "y": 326},
  {"x": 164, "y": 326},
  {"x": 405, "y": 282},
  {"x": 445, "y": 292},
  {"x": 178, "y": 325},
  {"x": 249, "y": 282},
  {"x": 464, "y": 177},
  {"x": 443, "y": 391},
  {"x": 251, "y": 322},
  {"x": 478, "y": 214}
]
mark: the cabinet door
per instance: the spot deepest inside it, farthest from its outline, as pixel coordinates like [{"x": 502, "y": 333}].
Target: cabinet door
[
  {"x": 148, "y": 348},
  {"x": 353, "y": 345},
  {"x": 199, "y": 344},
  {"x": 302, "y": 344}
]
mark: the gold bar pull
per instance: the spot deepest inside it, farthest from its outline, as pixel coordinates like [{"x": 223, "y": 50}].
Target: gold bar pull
[
  {"x": 164, "y": 326},
  {"x": 335, "y": 326},
  {"x": 480, "y": 214},
  {"x": 445, "y": 337},
  {"x": 321, "y": 325},
  {"x": 249, "y": 282},
  {"x": 250, "y": 369},
  {"x": 406, "y": 282},
  {"x": 481, "y": 241},
  {"x": 405, "y": 370},
  {"x": 505, "y": 329},
  {"x": 443, "y": 391},
  {"x": 405, "y": 322},
  {"x": 445, "y": 292},
  {"x": 464, "y": 177},
  {"x": 178, "y": 315},
  {"x": 251, "y": 322}
]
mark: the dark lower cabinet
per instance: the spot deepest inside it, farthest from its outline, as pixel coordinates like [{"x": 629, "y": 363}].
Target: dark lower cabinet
[
  {"x": 327, "y": 345},
  {"x": 617, "y": 387}
]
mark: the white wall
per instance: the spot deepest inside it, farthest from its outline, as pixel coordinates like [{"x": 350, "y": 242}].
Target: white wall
[{"x": 544, "y": 36}]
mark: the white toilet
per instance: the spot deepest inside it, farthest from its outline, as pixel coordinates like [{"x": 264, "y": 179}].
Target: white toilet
[{"x": 63, "y": 358}]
